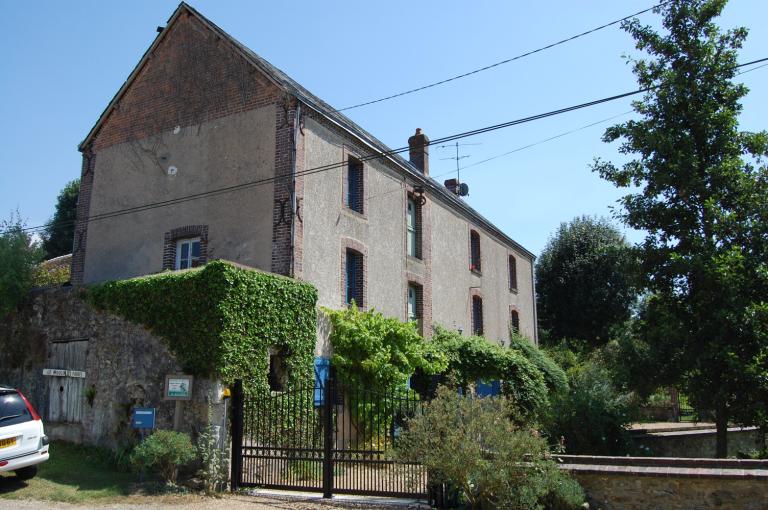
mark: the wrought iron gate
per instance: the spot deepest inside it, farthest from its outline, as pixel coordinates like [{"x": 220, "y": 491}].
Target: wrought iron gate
[{"x": 324, "y": 438}]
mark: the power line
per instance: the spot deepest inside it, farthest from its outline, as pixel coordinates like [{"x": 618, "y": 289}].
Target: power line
[
  {"x": 518, "y": 149},
  {"x": 502, "y": 62},
  {"x": 332, "y": 166},
  {"x": 533, "y": 144}
]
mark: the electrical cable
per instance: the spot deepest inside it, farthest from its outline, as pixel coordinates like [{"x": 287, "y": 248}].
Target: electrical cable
[
  {"x": 331, "y": 166},
  {"x": 502, "y": 62}
]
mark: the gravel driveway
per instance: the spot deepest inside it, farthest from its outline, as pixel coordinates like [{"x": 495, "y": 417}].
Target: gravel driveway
[{"x": 235, "y": 502}]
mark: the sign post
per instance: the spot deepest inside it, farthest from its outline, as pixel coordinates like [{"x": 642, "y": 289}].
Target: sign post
[{"x": 178, "y": 388}]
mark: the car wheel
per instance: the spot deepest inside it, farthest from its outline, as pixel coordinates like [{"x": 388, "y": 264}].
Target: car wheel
[{"x": 26, "y": 473}]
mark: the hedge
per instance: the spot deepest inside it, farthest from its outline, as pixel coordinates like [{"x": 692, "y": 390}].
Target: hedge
[{"x": 222, "y": 319}]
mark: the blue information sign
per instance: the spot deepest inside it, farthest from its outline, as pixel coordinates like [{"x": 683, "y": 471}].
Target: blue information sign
[{"x": 143, "y": 418}]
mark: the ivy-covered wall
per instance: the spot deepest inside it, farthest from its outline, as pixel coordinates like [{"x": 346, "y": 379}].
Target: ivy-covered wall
[{"x": 221, "y": 319}]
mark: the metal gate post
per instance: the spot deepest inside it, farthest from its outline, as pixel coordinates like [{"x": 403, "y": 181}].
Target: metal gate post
[
  {"x": 328, "y": 403},
  {"x": 236, "y": 465}
]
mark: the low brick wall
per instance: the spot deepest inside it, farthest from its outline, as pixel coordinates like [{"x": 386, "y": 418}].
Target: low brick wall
[
  {"x": 647, "y": 483},
  {"x": 699, "y": 443}
]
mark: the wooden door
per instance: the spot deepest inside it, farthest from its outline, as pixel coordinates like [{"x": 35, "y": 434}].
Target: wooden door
[{"x": 66, "y": 392}]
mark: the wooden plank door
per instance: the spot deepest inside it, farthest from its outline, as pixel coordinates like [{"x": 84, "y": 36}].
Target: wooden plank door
[{"x": 66, "y": 393}]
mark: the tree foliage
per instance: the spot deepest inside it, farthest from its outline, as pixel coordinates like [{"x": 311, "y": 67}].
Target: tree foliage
[
  {"x": 585, "y": 281},
  {"x": 592, "y": 418},
  {"x": 702, "y": 200},
  {"x": 472, "y": 445},
  {"x": 19, "y": 255},
  {"x": 59, "y": 234},
  {"x": 375, "y": 352}
]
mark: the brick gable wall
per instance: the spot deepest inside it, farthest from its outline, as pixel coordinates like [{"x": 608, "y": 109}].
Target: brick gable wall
[{"x": 192, "y": 76}]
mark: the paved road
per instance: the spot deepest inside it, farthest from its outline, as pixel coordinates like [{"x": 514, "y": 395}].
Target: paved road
[{"x": 198, "y": 503}]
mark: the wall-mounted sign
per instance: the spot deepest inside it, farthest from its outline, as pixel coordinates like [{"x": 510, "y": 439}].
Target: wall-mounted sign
[
  {"x": 178, "y": 387},
  {"x": 143, "y": 418},
  {"x": 55, "y": 372}
]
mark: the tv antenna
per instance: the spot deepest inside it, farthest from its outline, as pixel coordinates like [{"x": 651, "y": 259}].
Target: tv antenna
[{"x": 457, "y": 158}]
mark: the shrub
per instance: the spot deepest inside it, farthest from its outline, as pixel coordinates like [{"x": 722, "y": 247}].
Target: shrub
[
  {"x": 554, "y": 376},
  {"x": 163, "y": 452},
  {"x": 470, "y": 358},
  {"x": 473, "y": 445},
  {"x": 592, "y": 417}
]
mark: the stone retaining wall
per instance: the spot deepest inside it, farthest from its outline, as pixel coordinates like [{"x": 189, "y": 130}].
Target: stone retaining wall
[
  {"x": 649, "y": 483},
  {"x": 700, "y": 443},
  {"x": 125, "y": 367}
]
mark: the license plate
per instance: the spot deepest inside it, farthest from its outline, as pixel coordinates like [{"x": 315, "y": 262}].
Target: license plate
[{"x": 7, "y": 443}]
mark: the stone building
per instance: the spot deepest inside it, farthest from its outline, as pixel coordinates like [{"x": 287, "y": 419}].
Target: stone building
[{"x": 208, "y": 151}]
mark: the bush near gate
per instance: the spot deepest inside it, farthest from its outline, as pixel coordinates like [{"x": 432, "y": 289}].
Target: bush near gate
[
  {"x": 471, "y": 444},
  {"x": 222, "y": 319},
  {"x": 163, "y": 452}
]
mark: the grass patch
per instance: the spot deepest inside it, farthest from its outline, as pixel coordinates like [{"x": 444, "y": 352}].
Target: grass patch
[{"x": 73, "y": 474}]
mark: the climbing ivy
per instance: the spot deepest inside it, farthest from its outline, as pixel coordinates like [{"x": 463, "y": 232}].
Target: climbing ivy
[
  {"x": 375, "y": 352},
  {"x": 222, "y": 319},
  {"x": 473, "y": 358}
]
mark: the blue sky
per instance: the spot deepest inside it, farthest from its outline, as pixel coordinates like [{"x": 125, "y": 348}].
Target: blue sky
[{"x": 63, "y": 62}]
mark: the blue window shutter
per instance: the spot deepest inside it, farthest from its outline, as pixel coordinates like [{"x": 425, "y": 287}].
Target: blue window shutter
[{"x": 322, "y": 371}]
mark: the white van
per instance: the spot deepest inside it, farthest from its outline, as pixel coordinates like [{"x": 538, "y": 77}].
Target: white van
[{"x": 23, "y": 444}]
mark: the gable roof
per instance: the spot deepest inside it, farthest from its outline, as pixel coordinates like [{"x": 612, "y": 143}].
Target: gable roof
[{"x": 288, "y": 84}]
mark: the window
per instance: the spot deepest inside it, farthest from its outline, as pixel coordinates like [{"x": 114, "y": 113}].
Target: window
[
  {"x": 477, "y": 315},
  {"x": 415, "y": 302},
  {"x": 514, "y": 322},
  {"x": 188, "y": 253},
  {"x": 512, "y": 273},
  {"x": 13, "y": 408},
  {"x": 278, "y": 376},
  {"x": 410, "y": 221},
  {"x": 354, "y": 277},
  {"x": 355, "y": 185},
  {"x": 475, "y": 263},
  {"x": 185, "y": 247}
]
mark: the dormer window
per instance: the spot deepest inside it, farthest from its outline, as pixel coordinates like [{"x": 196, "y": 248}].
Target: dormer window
[{"x": 188, "y": 253}]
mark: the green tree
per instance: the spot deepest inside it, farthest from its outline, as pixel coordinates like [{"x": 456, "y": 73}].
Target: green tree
[
  {"x": 19, "y": 255},
  {"x": 59, "y": 233},
  {"x": 702, "y": 200},
  {"x": 585, "y": 281}
]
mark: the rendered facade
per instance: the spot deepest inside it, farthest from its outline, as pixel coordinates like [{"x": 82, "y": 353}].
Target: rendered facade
[{"x": 208, "y": 151}]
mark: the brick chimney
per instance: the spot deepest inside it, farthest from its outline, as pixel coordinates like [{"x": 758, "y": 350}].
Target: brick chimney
[{"x": 418, "y": 146}]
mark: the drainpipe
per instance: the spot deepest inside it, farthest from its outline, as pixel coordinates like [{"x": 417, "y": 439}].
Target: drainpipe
[{"x": 294, "y": 215}]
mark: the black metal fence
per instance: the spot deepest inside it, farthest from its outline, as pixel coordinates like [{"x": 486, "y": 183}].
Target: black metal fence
[{"x": 326, "y": 438}]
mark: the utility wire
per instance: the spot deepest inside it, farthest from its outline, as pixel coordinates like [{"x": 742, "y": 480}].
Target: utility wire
[
  {"x": 533, "y": 144},
  {"x": 497, "y": 64},
  {"x": 332, "y": 166}
]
